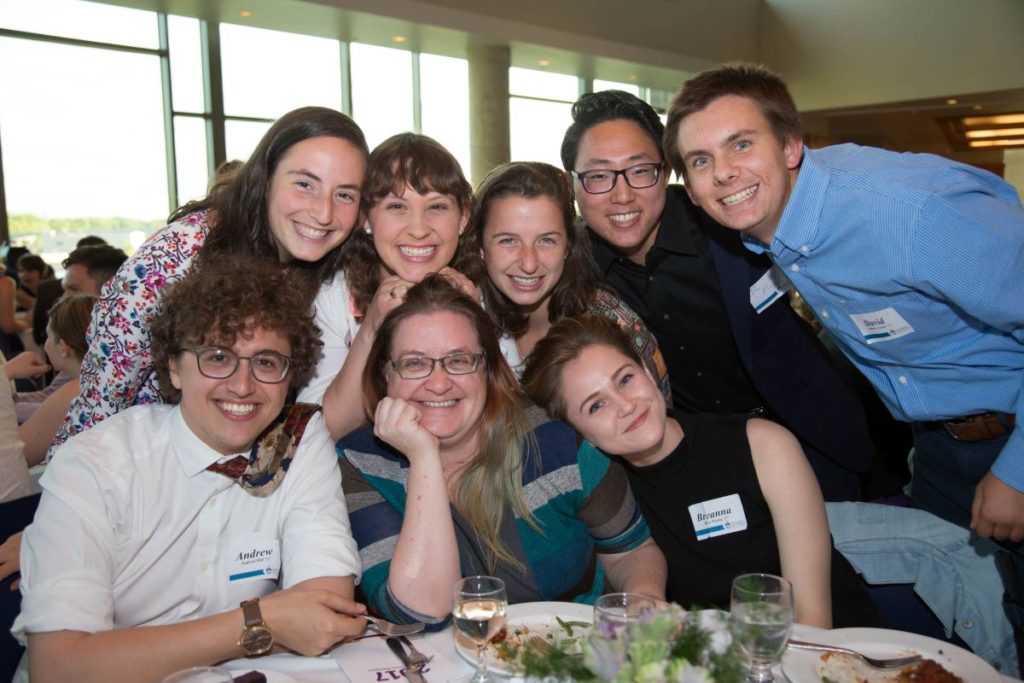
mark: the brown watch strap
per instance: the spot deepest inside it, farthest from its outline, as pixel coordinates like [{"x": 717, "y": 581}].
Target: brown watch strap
[{"x": 251, "y": 612}]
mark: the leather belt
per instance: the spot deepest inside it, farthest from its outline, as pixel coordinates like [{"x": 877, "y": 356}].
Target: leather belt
[{"x": 978, "y": 427}]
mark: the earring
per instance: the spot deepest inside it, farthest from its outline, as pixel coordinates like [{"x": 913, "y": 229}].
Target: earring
[{"x": 368, "y": 230}]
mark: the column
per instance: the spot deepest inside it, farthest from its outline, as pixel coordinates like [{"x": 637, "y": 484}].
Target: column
[{"x": 488, "y": 108}]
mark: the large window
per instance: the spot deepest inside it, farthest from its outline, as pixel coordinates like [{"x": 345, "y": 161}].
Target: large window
[
  {"x": 382, "y": 100},
  {"x": 540, "y": 105},
  {"x": 444, "y": 104}
]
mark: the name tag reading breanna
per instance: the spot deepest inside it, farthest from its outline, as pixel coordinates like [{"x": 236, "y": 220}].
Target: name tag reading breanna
[{"x": 718, "y": 517}]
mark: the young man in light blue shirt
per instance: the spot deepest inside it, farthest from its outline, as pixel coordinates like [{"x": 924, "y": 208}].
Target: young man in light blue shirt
[{"x": 912, "y": 262}]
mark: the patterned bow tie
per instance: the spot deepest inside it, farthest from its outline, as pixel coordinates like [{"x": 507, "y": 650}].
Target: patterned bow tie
[{"x": 233, "y": 468}]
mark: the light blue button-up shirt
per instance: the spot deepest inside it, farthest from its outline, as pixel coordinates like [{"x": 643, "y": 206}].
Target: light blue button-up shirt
[{"x": 941, "y": 244}]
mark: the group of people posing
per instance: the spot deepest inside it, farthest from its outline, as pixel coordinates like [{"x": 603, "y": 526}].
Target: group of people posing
[{"x": 343, "y": 380}]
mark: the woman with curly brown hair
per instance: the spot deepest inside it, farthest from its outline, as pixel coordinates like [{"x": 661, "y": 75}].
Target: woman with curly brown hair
[
  {"x": 417, "y": 204},
  {"x": 155, "y": 524},
  {"x": 295, "y": 201}
]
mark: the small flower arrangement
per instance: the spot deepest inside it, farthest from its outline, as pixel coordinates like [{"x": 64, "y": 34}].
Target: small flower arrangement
[{"x": 671, "y": 646}]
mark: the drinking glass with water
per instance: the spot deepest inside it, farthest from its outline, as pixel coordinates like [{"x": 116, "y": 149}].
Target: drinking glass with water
[
  {"x": 762, "y": 612},
  {"x": 478, "y": 610}
]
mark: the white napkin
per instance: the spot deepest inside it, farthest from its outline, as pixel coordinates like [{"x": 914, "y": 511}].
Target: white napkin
[{"x": 370, "y": 661}]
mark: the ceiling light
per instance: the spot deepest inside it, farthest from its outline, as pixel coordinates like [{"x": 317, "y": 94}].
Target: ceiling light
[
  {"x": 997, "y": 143},
  {"x": 398, "y": 39},
  {"x": 994, "y": 132},
  {"x": 633, "y": 77},
  {"x": 977, "y": 107},
  {"x": 952, "y": 100},
  {"x": 996, "y": 120},
  {"x": 544, "y": 62},
  {"x": 245, "y": 13}
]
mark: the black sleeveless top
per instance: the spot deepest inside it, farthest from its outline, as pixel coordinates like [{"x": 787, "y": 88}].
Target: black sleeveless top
[{"x": 712, "y": 461}]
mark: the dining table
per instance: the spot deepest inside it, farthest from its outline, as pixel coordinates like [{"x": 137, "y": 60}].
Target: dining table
[{"x": 369, "y": 660}]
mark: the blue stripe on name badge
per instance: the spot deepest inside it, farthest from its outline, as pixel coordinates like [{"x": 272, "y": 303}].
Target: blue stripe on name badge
[
  {"x": 246, "y": 575},
  {"x": 877, "y": 335},
  {"x": 767, "y": 302},
  {"x": 710, "y": 530}
]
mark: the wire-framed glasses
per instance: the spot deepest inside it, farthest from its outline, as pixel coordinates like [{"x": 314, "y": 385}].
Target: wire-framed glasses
[
  {"x": 269, "y": 367},
  {"x": 418, "y": 367},
  {"x": 601, "y": 180}
]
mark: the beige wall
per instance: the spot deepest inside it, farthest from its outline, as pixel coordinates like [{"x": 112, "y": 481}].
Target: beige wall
[{"x": 867, "y": 51}]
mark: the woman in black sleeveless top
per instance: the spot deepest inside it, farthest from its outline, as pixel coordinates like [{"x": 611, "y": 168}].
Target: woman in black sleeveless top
[{"x": 723, "y": 494}]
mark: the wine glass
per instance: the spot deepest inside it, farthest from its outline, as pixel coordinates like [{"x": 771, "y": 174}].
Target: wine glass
[
  {"x": 478, "y": 608},
  {"x": 762, "y": 612},
  {"x": 614, "y": 611}
]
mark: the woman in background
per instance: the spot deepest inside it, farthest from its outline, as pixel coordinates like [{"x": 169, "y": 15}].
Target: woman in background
[
  {"x": 532, "y": 261},
  {"x": 295, "y": 201}
]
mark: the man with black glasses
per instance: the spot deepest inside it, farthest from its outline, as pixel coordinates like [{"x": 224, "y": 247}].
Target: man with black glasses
[{"x": 731, "y": 346}]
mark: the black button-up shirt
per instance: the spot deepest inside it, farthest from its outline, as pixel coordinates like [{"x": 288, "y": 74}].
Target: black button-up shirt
[{"x": 678, "y": 296}]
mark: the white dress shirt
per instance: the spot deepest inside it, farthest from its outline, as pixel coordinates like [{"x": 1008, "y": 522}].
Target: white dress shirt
[{"x": 132, "y": 530}]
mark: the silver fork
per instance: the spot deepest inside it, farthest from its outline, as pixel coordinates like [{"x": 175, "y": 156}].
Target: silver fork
[
  {"x": 388, "y": 629},
  {"x": 889, "y": 663},
  {"x": 416, "y": 658}
]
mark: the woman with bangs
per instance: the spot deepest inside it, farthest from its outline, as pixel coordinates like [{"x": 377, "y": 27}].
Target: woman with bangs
[
  {"x": 417, "y": 206},
  {"x": 458, "y": 476},
  {"x": 531, "y": 259}
]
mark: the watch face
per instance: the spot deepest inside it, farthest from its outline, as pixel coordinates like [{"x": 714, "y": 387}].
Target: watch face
[{"x": 257, "y": 639}]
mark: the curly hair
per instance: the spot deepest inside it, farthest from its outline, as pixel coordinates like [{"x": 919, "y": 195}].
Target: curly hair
[
  {"x": 237, "y": 200},
  {"x": 593, "y": 108},
  {"x": 69, "y": 320},
  {"x": 577, "y": 287},
  {"x": 403, "y": 160},
  {"x": 494, "y": 477},
  {"x": 755, "y": 81},
  {"x": 220, "y": 300}
]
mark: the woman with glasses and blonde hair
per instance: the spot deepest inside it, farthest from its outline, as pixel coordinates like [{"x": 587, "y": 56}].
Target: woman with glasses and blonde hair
[{"x": 458, "y": 476}]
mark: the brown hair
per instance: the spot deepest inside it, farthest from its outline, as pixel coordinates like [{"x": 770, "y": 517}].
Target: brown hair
[
  {"x": 403, "y": 160},
  {"x": 237, "y": 201},
  {"x": 755, "y": 81},
  {"x": 579, "y": 282},
  {"x": 219, "y": 300},
  {"x": 564, "y": 343},
  {"x": 494, "y": 477},
  {"x": 69, "y": 321}
]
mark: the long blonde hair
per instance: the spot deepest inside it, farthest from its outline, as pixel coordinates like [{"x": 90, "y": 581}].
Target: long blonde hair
[{"x": 493, "y": 478}]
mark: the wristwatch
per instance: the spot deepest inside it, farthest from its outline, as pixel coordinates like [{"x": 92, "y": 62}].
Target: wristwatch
[{"x": 256, "y": 638}]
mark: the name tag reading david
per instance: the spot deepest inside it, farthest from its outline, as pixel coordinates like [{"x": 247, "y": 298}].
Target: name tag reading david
[
  {"x": 718, "y": 517},
  {"x": 769, "y": 289},
  {"x": 882, "y": 325},
  {"x": 254, "y": 559}
]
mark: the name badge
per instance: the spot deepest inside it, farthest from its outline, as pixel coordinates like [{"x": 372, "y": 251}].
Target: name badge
[
  {"x": 769, "y": 289},
  {"x": 882, "y": 325},
  {"x": 254, "y": 559},
  {"x": 718, "y": 517}
]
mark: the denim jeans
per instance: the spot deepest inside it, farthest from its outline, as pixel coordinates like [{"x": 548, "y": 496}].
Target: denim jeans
[{"x": 952, "y": 569}]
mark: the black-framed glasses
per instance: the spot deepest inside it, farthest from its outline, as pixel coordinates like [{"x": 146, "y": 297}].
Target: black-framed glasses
[
  {"x": 602, "y": 180},
  {"x": 268, "y": 367},
  {"x": 418, "y": 367}
]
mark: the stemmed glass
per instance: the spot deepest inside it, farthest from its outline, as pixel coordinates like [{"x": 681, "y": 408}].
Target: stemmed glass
[
  {"x": 478, "y": 608},
  {"x": 762, "y": 611},
  {"x": 615, "y": 611}
]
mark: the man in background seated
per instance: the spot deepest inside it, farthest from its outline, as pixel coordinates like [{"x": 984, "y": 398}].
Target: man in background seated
[
  {"x": 729, "y": 337},
  {"x": 171, "y": 516},
  {"x": 87, "y": 269}
]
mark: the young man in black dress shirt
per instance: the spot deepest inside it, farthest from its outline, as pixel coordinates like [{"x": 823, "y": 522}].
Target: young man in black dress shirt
[{"x": 721, "y": 318}]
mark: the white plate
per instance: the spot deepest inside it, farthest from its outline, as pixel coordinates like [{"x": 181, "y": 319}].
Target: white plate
[
  {"x": 272, "y": 676},
  {"x": 801, "y": 665},
  {"x": 540, "y": 615}
]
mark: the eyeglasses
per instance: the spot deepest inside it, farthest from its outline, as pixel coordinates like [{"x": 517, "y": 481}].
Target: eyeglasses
[
  {"x": 268, "y": 367},
  {"x": 602, "y": 180},
  {"x": 418, "y": 367}
]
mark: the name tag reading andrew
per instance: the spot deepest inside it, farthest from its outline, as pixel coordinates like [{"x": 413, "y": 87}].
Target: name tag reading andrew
[
  {"x": 718, "y": 517},
  {"x": 882, "y": 325},
  {"x": 769, "y": 289},
  {"x": 254, "y": 559}
]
